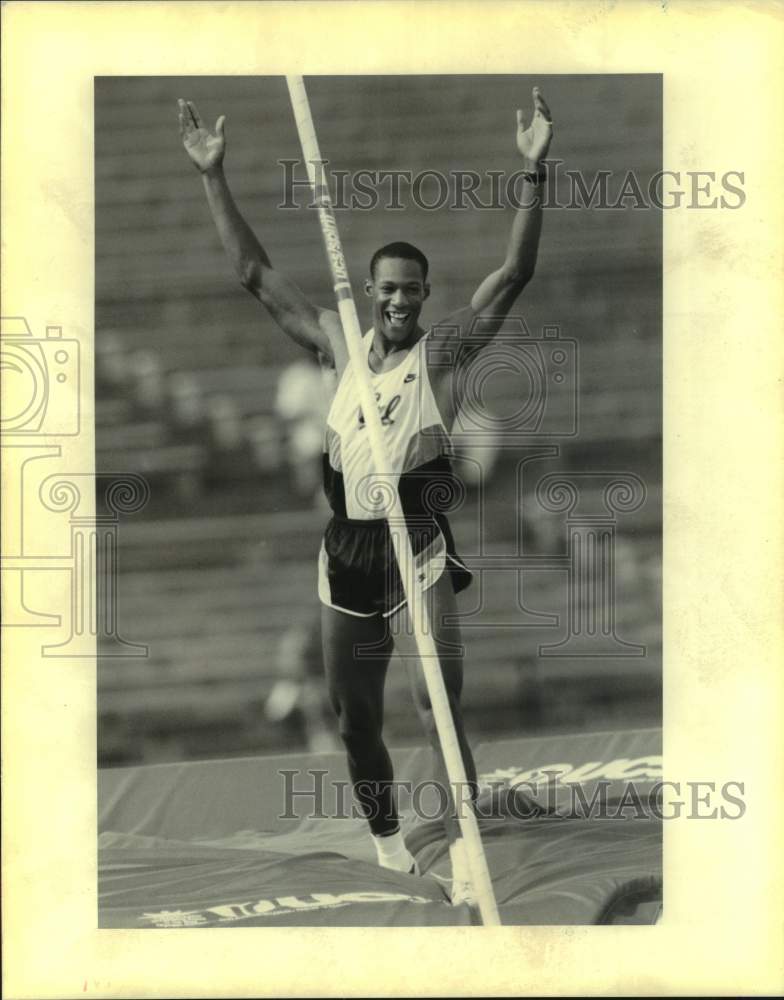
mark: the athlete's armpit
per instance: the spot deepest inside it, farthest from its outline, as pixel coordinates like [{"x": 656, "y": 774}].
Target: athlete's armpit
[
  {"x": 451, "y": 348},
  {"x": 332, "y": 332}
]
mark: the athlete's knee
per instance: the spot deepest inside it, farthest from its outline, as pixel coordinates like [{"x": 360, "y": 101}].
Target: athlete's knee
[
  {"x": 430, "y": 727},
  {"x": 359, "y": 733},
  {"x": 350, "y": 707},
  {"x": 427, "y": 720},
  {"x": 336, "y": 701},
  {"x": 427, "y": 715}
]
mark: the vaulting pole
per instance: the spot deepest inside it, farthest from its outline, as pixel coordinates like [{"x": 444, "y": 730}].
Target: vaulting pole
[{"x": 428, "y": 655}]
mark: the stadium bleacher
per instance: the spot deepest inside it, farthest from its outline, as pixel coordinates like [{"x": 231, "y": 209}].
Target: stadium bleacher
[{"x": 222, "y": 560}]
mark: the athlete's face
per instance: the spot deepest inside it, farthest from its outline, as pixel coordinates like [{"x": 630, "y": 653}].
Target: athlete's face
[{"x": 398, "y": 291}]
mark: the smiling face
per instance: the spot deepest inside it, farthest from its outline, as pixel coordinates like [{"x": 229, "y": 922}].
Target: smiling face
[{"x": 398, "y": 291}]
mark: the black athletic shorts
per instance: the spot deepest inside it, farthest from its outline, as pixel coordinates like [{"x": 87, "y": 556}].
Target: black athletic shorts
[{"x": 358, "y": 571}]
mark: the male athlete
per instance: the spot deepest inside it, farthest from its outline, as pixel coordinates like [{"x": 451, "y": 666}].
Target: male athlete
[{"x": 364, "y": 613}]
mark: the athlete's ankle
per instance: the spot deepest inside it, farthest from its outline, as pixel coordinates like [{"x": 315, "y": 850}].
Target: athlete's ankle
[{"x": 392, "y": 852}]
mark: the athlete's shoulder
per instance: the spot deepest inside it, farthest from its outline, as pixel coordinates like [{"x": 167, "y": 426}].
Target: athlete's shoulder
[{"x": 454, "y": 324}]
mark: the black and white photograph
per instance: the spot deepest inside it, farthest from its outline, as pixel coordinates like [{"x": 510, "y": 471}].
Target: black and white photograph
[
  {"x": 390, "y": 443},
  {"x": 281, "y": 738}
]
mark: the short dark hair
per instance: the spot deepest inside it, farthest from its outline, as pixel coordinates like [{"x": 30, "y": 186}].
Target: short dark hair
[{"x": 404, "y": 250}]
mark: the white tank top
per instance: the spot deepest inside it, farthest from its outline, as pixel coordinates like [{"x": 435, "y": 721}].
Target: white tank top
[{"x": 414, "y": 433}]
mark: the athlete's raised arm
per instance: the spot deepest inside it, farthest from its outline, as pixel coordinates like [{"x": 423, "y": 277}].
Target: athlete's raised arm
[
  {"x": 497, "y": 293},
  {"x": 314, "y": 328},
  {"x": 499, "y": 290}
]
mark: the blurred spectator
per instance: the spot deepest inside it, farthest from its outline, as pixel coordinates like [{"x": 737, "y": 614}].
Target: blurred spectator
[
  {"x": 301, "y": 404},
  {"x": 298, "y": 699},
  {"x": 476, "y": 444}
]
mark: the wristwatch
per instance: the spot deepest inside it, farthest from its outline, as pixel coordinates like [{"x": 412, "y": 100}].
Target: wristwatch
[{"x": 535, "y": 176}]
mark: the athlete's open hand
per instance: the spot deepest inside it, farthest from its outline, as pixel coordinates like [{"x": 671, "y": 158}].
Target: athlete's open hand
[
  {"x": 205, "y": 149},
  {"x": 534, "y": 141}
]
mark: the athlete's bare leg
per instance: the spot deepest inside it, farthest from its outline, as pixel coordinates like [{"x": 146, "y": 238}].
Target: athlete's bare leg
[
  {"x": 357, "y": 652},
  {"x": 440, "y": 604},
  {"x": 355, "y": 680}
]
